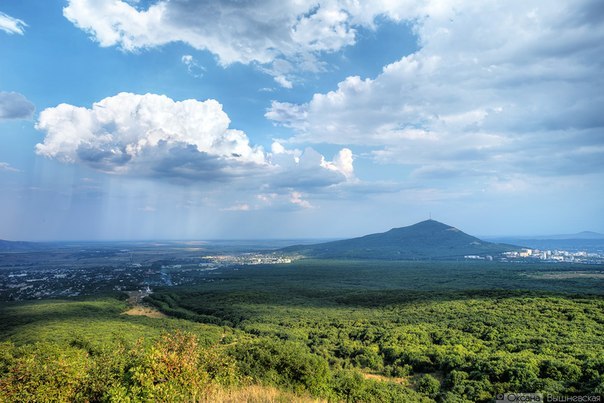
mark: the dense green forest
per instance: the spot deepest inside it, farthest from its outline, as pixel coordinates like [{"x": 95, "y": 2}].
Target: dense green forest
[{"x": 325, "y": 330}]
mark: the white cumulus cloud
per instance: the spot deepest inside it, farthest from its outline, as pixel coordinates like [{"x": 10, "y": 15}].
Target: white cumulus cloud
[
  {"x": 296, "y": 198},
  {"x": 235, "y": 31},
  {"x": 11, "y": 25},
  {"x": 273, "y": 33},
  {"x": 492, "y": 86},
  {"x": 284, "y": 82},
  {"x": 342, "y": 162},
  {"x": 154, "y": 136},
  {"x": 126, "y": 131},
  {"x": 311, "y": 168}
]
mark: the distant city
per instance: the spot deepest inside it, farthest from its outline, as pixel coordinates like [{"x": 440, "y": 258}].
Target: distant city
[
  {"x": 26, "y": 276},
  {"x": 72, "y": 272},
  {"x": 552, "y": 256}
]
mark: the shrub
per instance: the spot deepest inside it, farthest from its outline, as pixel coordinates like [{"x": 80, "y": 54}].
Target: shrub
[{"x": 428, "y": 385}]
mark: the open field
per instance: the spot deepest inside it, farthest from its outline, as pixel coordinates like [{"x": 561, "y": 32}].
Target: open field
[{"x": 568, "y": 275}]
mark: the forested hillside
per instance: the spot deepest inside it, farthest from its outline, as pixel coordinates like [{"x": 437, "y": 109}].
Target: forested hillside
[
  {"x": 425, "y": 240},
  {"x": 336, "y": 331}
]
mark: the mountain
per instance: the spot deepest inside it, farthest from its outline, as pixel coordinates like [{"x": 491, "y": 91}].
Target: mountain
[{"x": 425, "y": 240}]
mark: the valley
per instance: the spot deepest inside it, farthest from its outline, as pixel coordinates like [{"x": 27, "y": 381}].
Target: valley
[{"x": 254, "y": 321}]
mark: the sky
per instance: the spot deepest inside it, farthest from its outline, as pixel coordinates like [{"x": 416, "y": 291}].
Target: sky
[{"x": 241, "y": 119}]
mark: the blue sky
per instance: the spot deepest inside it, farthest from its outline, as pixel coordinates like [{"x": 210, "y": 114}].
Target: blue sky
[{"x": 155, "y": 119}]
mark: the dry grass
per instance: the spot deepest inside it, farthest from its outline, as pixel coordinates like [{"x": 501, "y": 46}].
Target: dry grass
[
  {"x": 137, "y": 308},
  {"x": 141, "y": 310},
  {"x": 256, "y": 394},
  {"x": 382, "y": 378}
]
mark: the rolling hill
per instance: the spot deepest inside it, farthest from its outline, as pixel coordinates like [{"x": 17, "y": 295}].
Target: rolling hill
[{"x": 428, "y": 239}]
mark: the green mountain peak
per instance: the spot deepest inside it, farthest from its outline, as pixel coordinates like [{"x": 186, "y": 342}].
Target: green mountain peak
[{"x": 428, "y": 239}]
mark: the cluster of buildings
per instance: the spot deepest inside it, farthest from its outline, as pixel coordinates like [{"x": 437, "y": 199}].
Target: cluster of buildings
[
  {"x": 552, "y": 256},
  {"x": 244, "y": 259},
  {"x": 555, "y": 256},
  {"x": 477, "y": 257},
  {"x": 52, "y": 282}
]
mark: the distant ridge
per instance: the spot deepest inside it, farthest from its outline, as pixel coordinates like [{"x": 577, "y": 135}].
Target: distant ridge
[
  {"x": 7, "y": 246},
  {"x": 428, "y": 239},
  {"x": 579, "y": 235}
]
